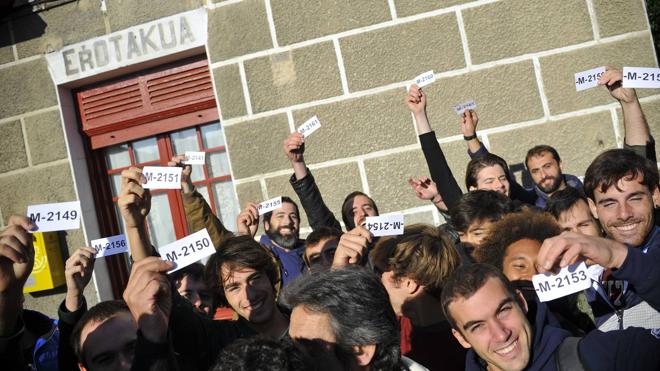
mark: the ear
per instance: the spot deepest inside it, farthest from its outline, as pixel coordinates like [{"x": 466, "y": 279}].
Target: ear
[
  {"x": 266, "y": 225},
  {"x": 461, "y": 340},
  {"x": 561, "y": 166},
  {"x": 472, "y": 188},
  {"x": 364, "y": 354},
  {"x": 522, "y": 301},
  {"x": 592, "y": 207},
  {"x": 656, "y": 197},
  {"x": 412, "y": 286}
]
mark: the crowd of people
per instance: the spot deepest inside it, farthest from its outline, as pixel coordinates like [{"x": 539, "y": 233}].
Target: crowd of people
[{"x": 459, "y": 296}]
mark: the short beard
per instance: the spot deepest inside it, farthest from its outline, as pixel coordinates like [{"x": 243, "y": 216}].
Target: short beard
[
  {"x": 554, "y": 186},
  {"x": 285, "y": 242}
]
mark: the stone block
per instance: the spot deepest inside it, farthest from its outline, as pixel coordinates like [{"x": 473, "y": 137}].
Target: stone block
[
  {"x": 620, "y": 16},
  {"x": 12, "y": 147},
  {"x": 250, "y": 192},
  {"x": 255, "y": 147},
  {"x": 508, "y": 28},
  {"x": 578, "y": 141},
  {"x": 299, "y": 20},
  {"x": 45, "y": 137},
  {"x": 293, "y": 77},
  {"x": 30, "y": 86},
  {"x": 401, "y": 52},
  {"x": 652, "y": 112},
  {"x": 126, "y": 13},
  {"x": 335, "y": 183},
  {"x": 238, "y": 29},
  {"x": 43, "y": 32},
  {"x": 559, "y": 70},
  {"x": 44, "y": 185},
  {"x": 230, "y": 91},
  {"x": 504, "y": 94},
  {"x": 387, "y": 176},
  {"x": 424, "y": 217},
  {"x": 6, "y": 53},
  {"x": 405, "y": 8},
  {"x": 358, "y": 126}
]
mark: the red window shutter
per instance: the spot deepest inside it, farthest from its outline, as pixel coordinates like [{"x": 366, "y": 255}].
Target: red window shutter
[{"x": 148, "y": 104}]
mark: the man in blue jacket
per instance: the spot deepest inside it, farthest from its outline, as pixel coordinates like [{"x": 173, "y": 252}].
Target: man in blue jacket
[{"x": 489, "y": 317}]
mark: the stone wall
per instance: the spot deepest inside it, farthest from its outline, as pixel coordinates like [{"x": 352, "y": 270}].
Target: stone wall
[{"x": 278, "y": 62}]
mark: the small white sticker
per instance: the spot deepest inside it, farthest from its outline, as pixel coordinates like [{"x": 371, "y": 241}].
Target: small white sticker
[
  {"x": 385, "y": 225},
  {"x": 424, "y": 79},
  {"x": 569, "y": 280},
  {"x": 269, "y": 205},
  {"x": 460, "y": 108},
  {"x": 55, "y": 217},
  {"x": 588, "y": 79},
  {"x": 110, "y": 245},
  {"x": 309, "y": 126},
  {"x": 640, "y": 77},
  {"x": 188, "y": 250},
  {"x": 195, "y": 158},
  {"x": 162, "y": 177}
]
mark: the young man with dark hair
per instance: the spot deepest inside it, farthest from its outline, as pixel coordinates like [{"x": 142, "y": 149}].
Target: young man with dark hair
[
  {"x": 570, "y": 207},
  {"x": 263, "y": 354},
  {"x": 623, "y": 193},
  {"x": 190, "y": 284},
  {"x": 344, "y": 318},
  {"x": 317, "y": 246},
  {"x": 475, "y": 212},
  {"x": 413, "y": 268},
  {"x": 488, "y": 317}
]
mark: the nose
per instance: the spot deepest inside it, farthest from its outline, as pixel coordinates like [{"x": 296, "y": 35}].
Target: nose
[
  {"x": 196, "y": 300},
  {"x": 624, "y": 211},
  {"x": 498, "y": 184},
  {"x": 499, "y": 331}
]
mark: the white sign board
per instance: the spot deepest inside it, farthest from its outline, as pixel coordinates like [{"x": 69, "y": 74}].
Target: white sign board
[
  {"x": 110, "y": 245},
  {"x": 640, "y": 77},
  {"x": 385, "y": 225},
  {"x": 55, "y": 217},
  {"x": 129, "y": 46},
  {"x": 588, "y": 79},
  {"x": 162, "y": 177},
  {"x": 569, "y": 280},
  {"x": 188, "y": 250},
  {"x": 269, "y": 205}
]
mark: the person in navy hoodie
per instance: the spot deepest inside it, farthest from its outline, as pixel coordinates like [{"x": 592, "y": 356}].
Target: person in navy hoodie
[{"x": 489, "y": 318}]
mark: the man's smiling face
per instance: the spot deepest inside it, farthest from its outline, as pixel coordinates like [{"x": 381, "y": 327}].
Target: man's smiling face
[
  {"x": 492, "y": 322},
  {"x": 625, "y": 210}
]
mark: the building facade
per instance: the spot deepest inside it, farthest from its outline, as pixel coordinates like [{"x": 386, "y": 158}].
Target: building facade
[{"x": 91, "y": 87}]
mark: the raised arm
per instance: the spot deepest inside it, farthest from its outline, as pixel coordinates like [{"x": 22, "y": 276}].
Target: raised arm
[
  {"x": 435, "y": 159},
  {"x": 637, "y": 133},
  {"x": 303, "y": 183},
  {"x": 198, "y": 212},
  {"x": 469, "y": 122},
  {"x": 134, "y": 204}
]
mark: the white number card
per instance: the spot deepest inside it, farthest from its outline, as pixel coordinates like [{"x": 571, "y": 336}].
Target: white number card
[
  {"x": 385, "y": 225},
  {"x": 269, "y": 205},
  {"x": 640, "y": 77},
  {"x": 162, "y": 177},
  {"x": 569, "y": 280},
  {"x": 195, "y": 158},
  {"x": 424, "y": 79},
  {"x": 588, "y": 79},
  {"x": 110, "y": 245},
  {"x": 55, "y": 217},
  {"x": 188, "y": 250},
  {"x": 460, "y": 108},
  {"x": 309, "y": 126}
]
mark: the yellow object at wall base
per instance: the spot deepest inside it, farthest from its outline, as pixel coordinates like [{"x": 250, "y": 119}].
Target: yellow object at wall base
[{"x": 48, "y": 270}]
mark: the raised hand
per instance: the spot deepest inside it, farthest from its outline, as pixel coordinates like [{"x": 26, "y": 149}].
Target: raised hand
[
  {"x": 352, "y": 247},
  {"x": 78, "y": 272},
  {"x": 469, "y": 121},
  {"x": 248, "y": 220},
  {"x": 148, "y": 295},
  {"x": 570, "y": 247},
  {"x": 186, "y": 182},
  {"x": 416, "y": 100},
  {"x": 612, "y": 79},
  {"x": 294, "y": 147},
  {"x": 16, "y": 254},
  {"x": 134, "y": 201}
]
